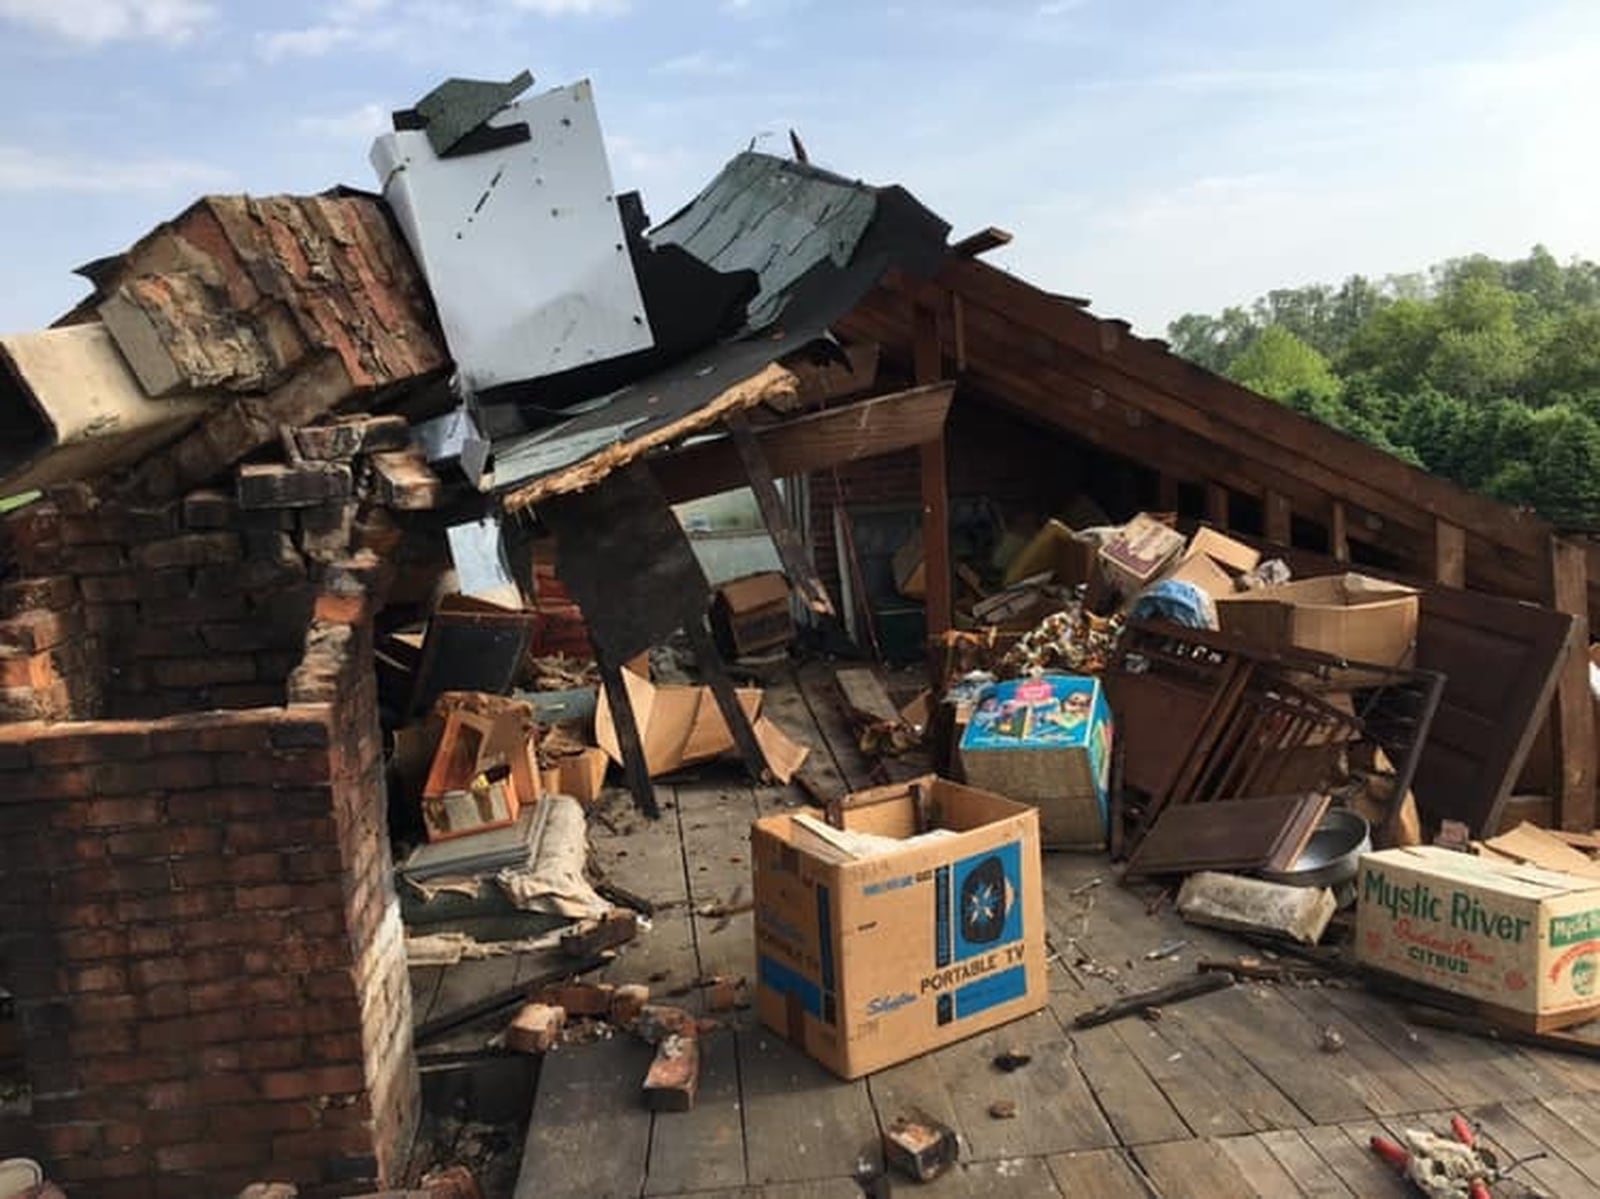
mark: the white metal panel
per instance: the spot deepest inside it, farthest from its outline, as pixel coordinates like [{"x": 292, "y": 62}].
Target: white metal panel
[{"x": 523, "y": 246}]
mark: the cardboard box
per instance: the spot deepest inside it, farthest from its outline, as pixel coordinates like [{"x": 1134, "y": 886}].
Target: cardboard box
[
  {"x": 1349, "y": 616},
  {"x": 1139, "y": 552},
  {"x": 580, "y": 775},
  {"x": 867, "y": 962},
  {"x": 910, "y": 571},
  {"x": 682, "y": 725},
  {"x": 1522, "y": 940},
  {"x": 1233, "y": 556},
  {"x": 1047, "y": 742},
  {"x": 1068, "y": 556},
  {"x": 750, "y": 615}
]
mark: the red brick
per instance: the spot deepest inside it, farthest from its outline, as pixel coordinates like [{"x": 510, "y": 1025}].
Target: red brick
[
  {"x": 55, "y": 593},
  {"x": 227, "y": 1088},
  {"x": 310, "y": 864},
  {"x": 268, "y": 898},
  {"x": 335, "y": 1047},
  {"x": 195, "y": 610},
  {"x": 88, "y": 944},
  {"x": 94, "y": 1169},
  {"x": 122, "y": 1135},
  {"x": 105, "y": 1009},
  {"x": 188, "y": 549},
  {"x": 156, "y": 971},
  {"x": 207, "y": 1155},
  {"x": 36, "y": 631},
  {"x": 244, "y": 697},
  {"x": 102, "y": 1040},
  {"x": 182, "y": 906},
  {"x": 124, "y": 879},
  {"x": 212, "y": 735},
  {"x": 242, "y": 993},
  {"x": 121, "y": 813},
  {"x": 98, "y": 977},
  {"x": 213, "y": 964},
  {"x": 218, "y": 1059},
  {"x": 145, "y": 940},
  {"x": 302, "y": 1084},
  {"x": 78, "y": 748},
  {"x": 134, "y": 1070},
  {"x": 34, "y": 670},
  {"x": 168, "y": 1127},
  {"x": 159, "y": 586},
  {"x": 109, "y": 589},
  {"x": 272, "y": 1055},
  {"x": 248, "y": 837},
  {"x": 67, "y": 1140},
  {"x": 322, "y": 1144},
  {"x": 86, "y": 560},
  {"x": 285, "y": 768},
  {"x": 203, "y": 672},
  {"x": 161, "y": 1003},
  {"x": 84, "y": 915},
  {"x": 253, "y": 1119}
]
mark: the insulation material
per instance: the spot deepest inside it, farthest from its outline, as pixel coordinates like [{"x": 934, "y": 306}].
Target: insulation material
[{"x": 554, "y": 882}]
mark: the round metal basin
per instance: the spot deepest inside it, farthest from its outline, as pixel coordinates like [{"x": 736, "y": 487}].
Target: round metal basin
[{"x": 1333, "y": 854}]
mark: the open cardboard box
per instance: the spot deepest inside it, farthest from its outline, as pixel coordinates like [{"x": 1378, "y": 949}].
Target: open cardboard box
[
  {"x": 866, "y": 962},
  {"x": 1349, "y": 616},
  {"x": 682, "y": 725}
]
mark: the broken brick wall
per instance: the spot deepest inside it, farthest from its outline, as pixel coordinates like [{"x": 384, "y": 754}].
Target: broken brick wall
[
  {"x": 205, "y": 944},
  {"x": 122, "y": 611}
]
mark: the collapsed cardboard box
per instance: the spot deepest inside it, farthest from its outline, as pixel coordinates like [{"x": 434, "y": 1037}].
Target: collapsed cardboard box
[
  {"x": 1213, "y": 563},
  {"x": 1067, "y": 556},
  {"x": 1138, "y": 553},
  {"x": 1521, "y": 940},
  {"x": 1047, "y": 742},
  {"x": 866, "y": 961},
  {"x": 581, "y": 775},
  {"x": 751, "y": 614},
  {"x": 682, "y": 725},
  {"x": 1349, "y": 616}
]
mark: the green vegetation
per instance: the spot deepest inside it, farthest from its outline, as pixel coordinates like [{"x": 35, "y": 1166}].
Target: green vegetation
[{"x": 1485, "y": 372}]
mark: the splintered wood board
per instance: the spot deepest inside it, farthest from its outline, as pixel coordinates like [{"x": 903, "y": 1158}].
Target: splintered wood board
[{"x": 1229, "y": 834}]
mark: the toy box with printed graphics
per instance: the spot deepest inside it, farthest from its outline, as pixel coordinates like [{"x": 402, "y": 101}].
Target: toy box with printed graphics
[
  {"x": 1046, "y": 741},
  {"x": 927, "y": 927},
  {"x": 1521, "y": 940}
]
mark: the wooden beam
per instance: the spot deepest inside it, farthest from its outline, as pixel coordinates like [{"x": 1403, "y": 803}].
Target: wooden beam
[
  {"x": 1338, "y": 534},
  {"x": 792, "y": 552},
  {"x": 1279, "y": 519},
  {"x": 1217, "y": 515},
  {"x": 866, "y": 428},
  {"x": 1449, "y": 554},
  {"x": 1573, "y": 715},
  {"x": 1241, "y": 409},
  {"x": 928, "y": 366},
  {"x": 981, "y": 242}
]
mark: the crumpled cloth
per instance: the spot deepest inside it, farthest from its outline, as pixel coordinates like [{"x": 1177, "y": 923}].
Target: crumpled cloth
[{"x": 1180, "y": 602}]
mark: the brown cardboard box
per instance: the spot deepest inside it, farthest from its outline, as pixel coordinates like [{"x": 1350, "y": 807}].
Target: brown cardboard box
[
  {"x": 870, "y": 961},
  {"x": 1349, "y": 616},
  {"x": 580, "y": 775},
  {"x": 1234, "y": 556},
  {"x": 1136, "y": 556},
  {"x": 1521, "y": 940},
  {"x": 751, "y": 614},
  {"x": 1057, "y": 549},
  {"x": 682, "y": 725}
]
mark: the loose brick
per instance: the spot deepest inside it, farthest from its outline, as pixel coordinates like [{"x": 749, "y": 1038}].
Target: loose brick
[
  {"x": 280, "y": 485},
  {"x": 36, "y": 631},
  {"x": 188, "y": 549},
  {"x": 53, "y": 593},
  {"x": 208, "y": 509},
  {"x": 403, "y": 480}
]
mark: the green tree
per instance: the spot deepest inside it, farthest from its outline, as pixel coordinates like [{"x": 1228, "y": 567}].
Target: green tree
[{"x": 1280, "y": 365}]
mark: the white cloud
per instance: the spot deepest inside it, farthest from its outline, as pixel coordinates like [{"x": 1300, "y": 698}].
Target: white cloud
[
  {"x": 700, "y": 65},
  {"x": 97, "y": 22},
  {"x": 573, "y": 8},
  {"x": 366, "y": 121},
  {"x": 24, "y": 170},
  {"x": 314, "y": 41},
  {"x": 1056, "y": 8}
]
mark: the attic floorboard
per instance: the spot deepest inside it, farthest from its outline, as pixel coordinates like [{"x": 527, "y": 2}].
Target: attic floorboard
[{"x": 1225, "y": 1094}]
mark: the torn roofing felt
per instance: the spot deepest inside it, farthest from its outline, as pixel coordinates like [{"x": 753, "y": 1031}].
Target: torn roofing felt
[{"x": 816, "y": 244}]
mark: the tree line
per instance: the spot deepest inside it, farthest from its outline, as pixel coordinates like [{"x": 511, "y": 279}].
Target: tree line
[{"x": 1483, "y": 371}]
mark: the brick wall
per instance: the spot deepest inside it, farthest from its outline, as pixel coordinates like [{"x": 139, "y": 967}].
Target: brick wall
[
  {"x": 197, "y": 910},
  {"x": 144, "y": 612},
  {"x": 206, "y": 949}
]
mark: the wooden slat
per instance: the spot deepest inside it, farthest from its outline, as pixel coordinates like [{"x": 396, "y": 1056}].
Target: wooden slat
[
  {"x": 703, "y": 1148},
  {"x": 866, "y": 428},
  {"x": 1217, "y": 514},
  {"x": 1338, "y": 533},
  {"x": 1262, "y": 1172},
  {"x": 1278, "y": 518},
  {"x": 1098, "y": 1174},
  {"x": 1573, "y": 722},
  {"x": 1193, "y": 1168},
  {"x": 588, "y": 1112},
  {"x": 799, "y": 1119},
  {"x": 793, "y": 553},
  {"x": 928, "y": 365},
  {"x": 981, "y": 242},
  {"x": 1355, "y": 1165},
  {"x": 1449, "y": 554},
  {"x": 1138, "y": 1110}
]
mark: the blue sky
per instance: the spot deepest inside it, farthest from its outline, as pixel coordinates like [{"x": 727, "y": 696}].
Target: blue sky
[{"x": 1156, "y": 156}]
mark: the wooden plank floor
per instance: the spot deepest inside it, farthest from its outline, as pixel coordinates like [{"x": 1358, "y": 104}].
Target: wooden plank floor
[{"x": 1226, "y": 1095}]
